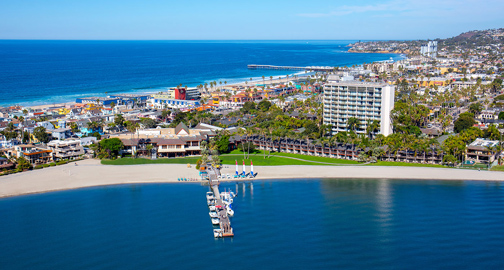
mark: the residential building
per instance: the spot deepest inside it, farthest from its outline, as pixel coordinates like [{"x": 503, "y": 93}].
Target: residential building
[
  {"x": 5, "y": 164},
  {"x": 33, "y": 154},
  {"x": 482, "y": 151},
  {"x": 61, "y": 133},
  {"x": 164, "y": 142},
  {"x": 364, "y": 101},
  {"x": 68, "y": 149},
  {"x": 429, "y": 49}
]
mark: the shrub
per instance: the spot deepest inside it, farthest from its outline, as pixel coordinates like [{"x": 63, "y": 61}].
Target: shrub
[
  {"x": 45, "y": 165},
  {"x": 38, "y": 167},
  {"x": 52, "y": 164}
]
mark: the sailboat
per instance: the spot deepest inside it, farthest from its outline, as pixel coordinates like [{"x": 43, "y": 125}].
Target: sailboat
[
  {"x": 251, "y": 169},
  {"x": 237, "y": 168},
  {"x": 244, "y": 173}
]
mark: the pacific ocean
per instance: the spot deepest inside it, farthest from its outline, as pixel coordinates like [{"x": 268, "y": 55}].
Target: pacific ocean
[{"x": 45, "y": 72}]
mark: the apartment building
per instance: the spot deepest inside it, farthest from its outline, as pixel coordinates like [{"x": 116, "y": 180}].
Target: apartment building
[
  {"x": 362, "y": 100},
  {"x": 68, "y": 149},
  {"x": 482, "y": 151}
]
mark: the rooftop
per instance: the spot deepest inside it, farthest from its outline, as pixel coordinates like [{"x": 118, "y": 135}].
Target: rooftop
[{"x": 357, "y": 84}]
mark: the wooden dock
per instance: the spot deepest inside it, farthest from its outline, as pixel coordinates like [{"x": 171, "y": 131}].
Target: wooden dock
[
  {"x": 224, "y": 223},
  {"x": 309, "y": 68}
]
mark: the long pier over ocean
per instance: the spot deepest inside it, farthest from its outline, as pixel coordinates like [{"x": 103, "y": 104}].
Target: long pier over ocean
[{"x": 308, "y": 68}]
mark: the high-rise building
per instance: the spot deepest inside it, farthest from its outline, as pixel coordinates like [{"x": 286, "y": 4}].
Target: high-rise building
[
  {"x": 429, "y": 49},
  {"x": 364, "y": 101}
]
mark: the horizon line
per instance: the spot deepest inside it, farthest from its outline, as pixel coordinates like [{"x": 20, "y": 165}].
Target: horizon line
[{"x": 30, "y": 39}]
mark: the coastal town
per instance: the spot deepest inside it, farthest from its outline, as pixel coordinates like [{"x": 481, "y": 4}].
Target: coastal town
[{"x": 442, "y": 104}]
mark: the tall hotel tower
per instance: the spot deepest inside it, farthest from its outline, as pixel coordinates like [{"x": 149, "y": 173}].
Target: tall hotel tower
[{"x": 364, "y": 101}]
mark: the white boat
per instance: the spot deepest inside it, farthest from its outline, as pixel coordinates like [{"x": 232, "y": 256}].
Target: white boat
[
  {"x": 213, "y": 215},
  {"x": 212, "y": 208},
  {"x": 230, "y": 212},
  {"x": 209, "y": 195},
  {"x": 211, "y": 202},
  {"x": 227, "y": 196},
  {"x": 215, "y": 221},
  {"x": 217, "y": 233}
]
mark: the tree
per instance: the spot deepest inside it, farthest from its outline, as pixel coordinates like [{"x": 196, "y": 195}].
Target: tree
[
  {"x": 449, "y": 159},
  {"x": 353, "y": 123},
  {"x": 222, "y": 144},
  {"x": 23, "y": 164},
  {"x": 165, "y": 114},
  {"x": 148, "y": 122},
  {"x": 501, "y": 116},
  {"x": 248, "y": 107},
  {"x": 119, "y": 120},
  {"x": 475, "y": 108},
  {"x": 112, "y": 146},
  {"x": 465, "y": 121},
  {"x": 41, "y": 134},
  {"x": 264, "y": 105},
  {"x": 26, "y": 137}
]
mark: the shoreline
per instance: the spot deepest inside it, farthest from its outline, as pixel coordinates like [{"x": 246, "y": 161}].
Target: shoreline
[
  {"x": 40, "y": 104},
  {"x": 90, "y": 173}
]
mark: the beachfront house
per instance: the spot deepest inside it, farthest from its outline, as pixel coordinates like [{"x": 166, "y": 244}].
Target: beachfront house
[
  {"x": 65, "y": 149},
  {"x": 482, "y": 151},
  {"x": 35, "y": 155}
]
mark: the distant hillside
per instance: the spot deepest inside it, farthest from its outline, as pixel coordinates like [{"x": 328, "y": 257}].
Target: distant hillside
[{"x": 478, "y": 37}]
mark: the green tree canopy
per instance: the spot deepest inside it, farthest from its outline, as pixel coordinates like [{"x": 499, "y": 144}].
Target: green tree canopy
[
  {"x": 465, "y": 121},
  {"x": 112, "y": 146},
  {"x": 475, "y": 108},
  {"x": 148, "y": 122},
  {"x": 264, "y": 105},
  {"x": 41, "y": 134},
  {"x": 119, "y": 120}
]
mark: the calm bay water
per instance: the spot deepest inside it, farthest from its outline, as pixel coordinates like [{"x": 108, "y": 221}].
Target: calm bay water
[
  {"x": 298, "y": 224},
  {"x": 35, "y": 72}
]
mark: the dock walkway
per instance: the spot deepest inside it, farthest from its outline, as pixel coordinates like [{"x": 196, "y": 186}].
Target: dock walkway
[{"x": 224, "y": 223}]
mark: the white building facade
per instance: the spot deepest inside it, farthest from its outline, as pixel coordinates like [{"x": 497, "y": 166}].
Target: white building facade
[
  {"x": 429, "y": 49},
  {"x": 364, "y": 101}
]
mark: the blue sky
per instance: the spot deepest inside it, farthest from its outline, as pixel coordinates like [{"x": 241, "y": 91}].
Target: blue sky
[{"x": 260, "y": 19}]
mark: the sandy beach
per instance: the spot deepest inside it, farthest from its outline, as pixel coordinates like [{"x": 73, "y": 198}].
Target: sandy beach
[{"x": 89, "y": 173}]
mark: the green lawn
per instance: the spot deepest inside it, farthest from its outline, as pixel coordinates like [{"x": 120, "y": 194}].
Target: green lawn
[
  {"x": 260, "y": 154},
  {"x": 498, "y": 168},
  {"x": 275, "y": 159}
]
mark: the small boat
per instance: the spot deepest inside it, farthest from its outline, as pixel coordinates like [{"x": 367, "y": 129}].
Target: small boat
[
  {"x": 209, "y": 195},
  {"x": 212, "y": 208},
  {"x": 230, "y": 212},
  {"x": 215, "y": 221},
  {"x": 217, "y": 233},
  {"x": 213, "y": 215},
  {"x": 211, "y": 202}
]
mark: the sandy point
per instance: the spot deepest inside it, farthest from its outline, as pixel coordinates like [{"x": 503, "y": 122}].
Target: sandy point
[{"x": 89, "y": 173}]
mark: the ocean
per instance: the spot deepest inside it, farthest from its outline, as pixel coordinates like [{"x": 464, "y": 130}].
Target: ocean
[
  {"x": 278, "y": 224},
  {"x": 46, "y": 72}
]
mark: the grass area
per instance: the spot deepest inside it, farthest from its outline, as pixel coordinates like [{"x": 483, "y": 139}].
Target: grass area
[
  {"x": 498, "y": 168},
  {"x": 260, "y": 154},
  {"x": 275, "y": 159}
]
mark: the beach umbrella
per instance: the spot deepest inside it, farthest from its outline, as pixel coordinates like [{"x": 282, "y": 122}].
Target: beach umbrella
[
  {"x": 236, "y": 167},
  {"x": 251, "y": 168},
  {"x": 244, "y": 168}
]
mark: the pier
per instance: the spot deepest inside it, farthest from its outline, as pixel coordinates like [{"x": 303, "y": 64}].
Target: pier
[
  {"x": 309, "y": 68},
  {"x": 224, "y": 223}
]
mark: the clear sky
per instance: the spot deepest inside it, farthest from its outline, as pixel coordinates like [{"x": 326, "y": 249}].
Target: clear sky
[{"x": 235, "y": 19}]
